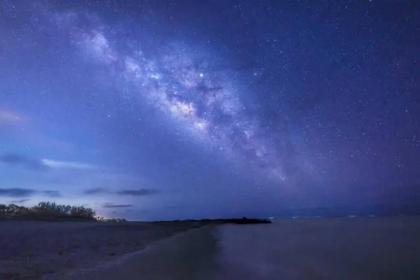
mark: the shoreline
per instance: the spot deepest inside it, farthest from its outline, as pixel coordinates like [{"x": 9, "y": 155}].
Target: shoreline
[{"x": 161, "y": 253}]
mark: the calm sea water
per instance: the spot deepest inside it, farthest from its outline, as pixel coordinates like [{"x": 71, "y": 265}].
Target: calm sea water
[{"x": 342, "y": 248}]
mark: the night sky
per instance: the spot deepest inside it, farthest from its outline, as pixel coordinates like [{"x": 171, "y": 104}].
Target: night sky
[{"x": 189, "y": 109}]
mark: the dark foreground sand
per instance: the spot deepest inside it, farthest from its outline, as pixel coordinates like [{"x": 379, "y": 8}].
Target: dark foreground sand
[
  {"x": 34, "y": 250},
  {"x": 359, "y": 248}
]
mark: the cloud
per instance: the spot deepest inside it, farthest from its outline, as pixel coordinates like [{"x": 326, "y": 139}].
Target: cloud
[
  {"x": 23, "y": 161},
  {"x": 56, "y": 164},
  {"x": 19, "y": 201},
  {"x": 137, "y": 192},
  {"x": 8, "y": 117},
  {"x": 111, "y": 205},
  {"x": 42, "y": 164},
  {"x": 128, "y": 192},
  {"x": 24, "y": 192},
  {"x": 52, "y": 193},
  {"x": 96, "y": 191},
  {"x": 16, "y": 192}
]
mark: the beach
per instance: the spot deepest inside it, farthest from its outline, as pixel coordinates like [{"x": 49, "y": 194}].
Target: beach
[
  {"x": 316, "y": 248},
  {"x": 50, "y": 250}
]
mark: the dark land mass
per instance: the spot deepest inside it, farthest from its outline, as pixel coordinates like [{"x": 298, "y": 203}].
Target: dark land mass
[{"x": 238, "y": 221}]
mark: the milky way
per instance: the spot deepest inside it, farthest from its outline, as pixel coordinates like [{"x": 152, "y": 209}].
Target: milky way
[{"x": 180, "y": 82}]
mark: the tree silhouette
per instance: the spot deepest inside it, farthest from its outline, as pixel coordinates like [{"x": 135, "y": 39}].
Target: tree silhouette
[{"x": 46, "y": 211}]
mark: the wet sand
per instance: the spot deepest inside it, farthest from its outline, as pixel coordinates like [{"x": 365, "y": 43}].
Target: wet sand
[{"x": 188, "y": 255}]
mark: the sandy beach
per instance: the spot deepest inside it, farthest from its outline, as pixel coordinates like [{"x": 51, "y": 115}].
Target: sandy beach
[
  {"x": 50, "y": 250},
  {"x": 324, "y": 248}
]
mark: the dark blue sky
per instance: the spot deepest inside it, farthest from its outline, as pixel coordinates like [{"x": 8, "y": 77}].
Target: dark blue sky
[{"x": 178, "y": 109}]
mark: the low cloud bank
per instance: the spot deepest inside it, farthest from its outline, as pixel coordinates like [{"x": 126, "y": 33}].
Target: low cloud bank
[
  {"x": 24, "y": 192},
  {"x": 126, "y": 192},
  {"x": 112, "y": 205}
]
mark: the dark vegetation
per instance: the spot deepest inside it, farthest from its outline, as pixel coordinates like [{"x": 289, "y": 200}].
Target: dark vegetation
[
  {"x": 51, "y": 211},
  {"x": 244, "y": 220},
  {"x": 46, "y": 211}
]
